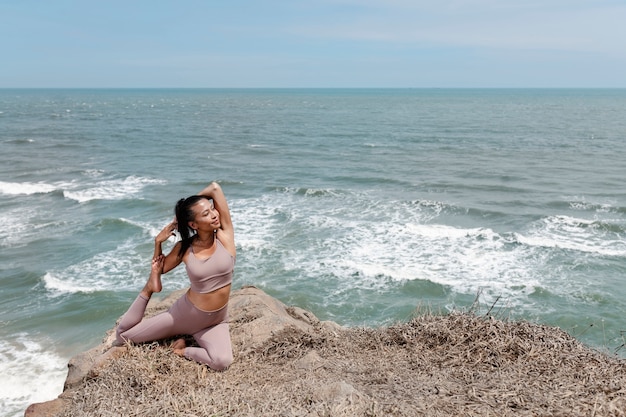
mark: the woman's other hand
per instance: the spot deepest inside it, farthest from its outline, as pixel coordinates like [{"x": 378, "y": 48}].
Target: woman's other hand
[{"x": 167, "y": 232}]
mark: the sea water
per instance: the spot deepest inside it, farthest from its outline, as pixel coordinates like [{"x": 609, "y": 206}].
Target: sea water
[{"x": 363, "y": 206}]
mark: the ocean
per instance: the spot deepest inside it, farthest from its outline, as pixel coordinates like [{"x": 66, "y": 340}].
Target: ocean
[{"x": 364, "y": 206}]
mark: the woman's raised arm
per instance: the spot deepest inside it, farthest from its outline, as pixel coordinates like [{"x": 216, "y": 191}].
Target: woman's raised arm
[
  {"x": 214, "y": 191},
  {"x": 226, "y": 234}
]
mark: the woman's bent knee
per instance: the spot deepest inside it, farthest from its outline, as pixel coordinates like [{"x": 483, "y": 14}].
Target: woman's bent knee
[{"x": 221, "y": 363}]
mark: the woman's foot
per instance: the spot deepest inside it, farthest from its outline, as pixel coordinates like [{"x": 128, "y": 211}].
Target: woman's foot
[
  {"x": 154, "y": 281},
  {"x": 179, "y": 347}
]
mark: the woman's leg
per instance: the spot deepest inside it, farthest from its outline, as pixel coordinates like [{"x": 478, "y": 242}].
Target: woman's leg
[
  {"x": 131, "y": 317},
  {"x": 209, "y": 328},
  {"x": 214, "y": 339},
  {"x": 215, "y": 347},
  {"x": 137, "y": 309},
  {"x": 158, "y": 327}
]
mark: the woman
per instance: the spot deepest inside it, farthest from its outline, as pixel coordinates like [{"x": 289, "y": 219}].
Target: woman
[{"x": 208, "y": 250}]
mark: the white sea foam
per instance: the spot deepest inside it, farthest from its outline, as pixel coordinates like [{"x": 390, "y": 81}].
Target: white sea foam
[
  {"x": 376, "y": 245},
  {"x": 150, "y": 228},
  {"x": 26, "y": 188},
  {"x": 31, "y": 372},
  {"x": 102, "y": 190},
  {"x": 583, "y": 204},
  {"x": 94, "y": 173},
  {"x": 22, "y": 229},
  {"x": 120, "y": 269},
  {"x": 570, "y": 233},
  {"x": 111, "y": 189},
  {"x": 466, "y": 260},
  {"x": 18, "y": 221}
]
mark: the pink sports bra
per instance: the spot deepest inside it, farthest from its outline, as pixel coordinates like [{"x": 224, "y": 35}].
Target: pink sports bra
[{"x": 212, "y": 273}]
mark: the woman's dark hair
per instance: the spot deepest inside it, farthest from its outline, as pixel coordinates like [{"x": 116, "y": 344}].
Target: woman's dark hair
[{"x": 184, "y": 214}]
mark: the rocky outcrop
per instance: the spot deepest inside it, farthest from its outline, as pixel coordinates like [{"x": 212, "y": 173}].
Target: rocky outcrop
[
  {"x": 289, "y": 363},
  {"x": 255, "y": 318}
]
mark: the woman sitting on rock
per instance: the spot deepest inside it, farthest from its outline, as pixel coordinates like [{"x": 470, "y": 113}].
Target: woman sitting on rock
[{"x": 208, "y": 250}]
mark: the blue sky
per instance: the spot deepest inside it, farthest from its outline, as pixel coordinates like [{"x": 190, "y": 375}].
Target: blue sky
[{"x": 316, "y": 43}]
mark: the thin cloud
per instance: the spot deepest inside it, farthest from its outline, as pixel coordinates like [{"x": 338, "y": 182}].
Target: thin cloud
[
  {"x": 580, "y": 26},
  {"x": 323, "y": 43}
]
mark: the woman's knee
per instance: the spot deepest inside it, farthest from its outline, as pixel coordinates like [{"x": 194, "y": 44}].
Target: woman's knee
[
  {"x": 222, "y": 361},
  {"x": 119, "y": 335}
]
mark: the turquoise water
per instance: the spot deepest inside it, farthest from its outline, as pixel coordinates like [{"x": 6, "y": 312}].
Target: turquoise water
[{"x": 359, "y": 205}]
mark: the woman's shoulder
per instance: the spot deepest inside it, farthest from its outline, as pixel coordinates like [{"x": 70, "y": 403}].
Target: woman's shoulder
[{"x": 182, "y": 247}]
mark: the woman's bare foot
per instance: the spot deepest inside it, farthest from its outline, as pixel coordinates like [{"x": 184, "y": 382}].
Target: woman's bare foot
[
  {"x": 179, "y": 347},
  {"x": 154, "y": 281}
]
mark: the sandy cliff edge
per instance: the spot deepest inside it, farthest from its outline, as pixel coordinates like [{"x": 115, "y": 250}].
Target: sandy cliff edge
[{"x": 287, "y": 362}]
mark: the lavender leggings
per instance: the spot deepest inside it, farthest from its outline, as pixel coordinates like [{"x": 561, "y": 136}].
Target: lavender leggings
[{"x": 209, "y": 328}]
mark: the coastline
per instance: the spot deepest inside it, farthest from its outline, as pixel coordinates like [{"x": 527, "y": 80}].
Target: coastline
[
  {"x": 287, "y": 362},
  {"x": 464, "y": 188}
]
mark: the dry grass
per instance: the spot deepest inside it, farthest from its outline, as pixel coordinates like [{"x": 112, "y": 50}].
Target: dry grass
[{"x": 454, "y": 365}]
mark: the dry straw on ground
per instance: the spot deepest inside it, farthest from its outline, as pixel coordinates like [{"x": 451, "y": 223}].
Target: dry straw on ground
[{"x": 454, "y": 365}]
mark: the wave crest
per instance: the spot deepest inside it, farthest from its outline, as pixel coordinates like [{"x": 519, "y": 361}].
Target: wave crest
[
  {"x": 112, "y": 189},
  {"x": 26, "y": 188}
]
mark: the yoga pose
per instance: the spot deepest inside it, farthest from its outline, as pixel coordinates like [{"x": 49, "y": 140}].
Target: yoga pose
[{"x": 207, "y": 247}]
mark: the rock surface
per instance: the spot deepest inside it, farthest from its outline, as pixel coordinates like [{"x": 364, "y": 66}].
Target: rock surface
[
  {"x": 255, "y": 317},
  {"x": 289, "y": 363}
]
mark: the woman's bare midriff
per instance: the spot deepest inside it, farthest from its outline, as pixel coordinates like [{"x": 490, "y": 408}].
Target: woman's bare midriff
[{"x": 210, "y": 301}]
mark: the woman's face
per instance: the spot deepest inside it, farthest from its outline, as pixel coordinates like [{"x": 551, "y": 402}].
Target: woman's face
[{"x": 206, "y": 217}]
